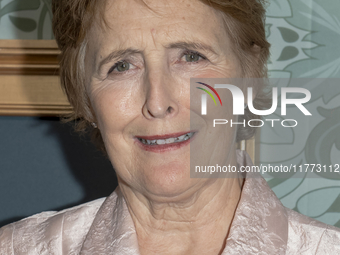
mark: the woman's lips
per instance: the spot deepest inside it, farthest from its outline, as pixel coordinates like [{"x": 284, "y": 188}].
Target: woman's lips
[{"x": 162, "y": 143}]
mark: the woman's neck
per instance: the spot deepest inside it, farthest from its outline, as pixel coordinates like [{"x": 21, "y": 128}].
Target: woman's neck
[{"x": 194, "y": 223}]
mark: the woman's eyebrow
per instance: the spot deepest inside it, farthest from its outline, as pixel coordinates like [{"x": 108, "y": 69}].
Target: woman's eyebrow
[
  {"x": 191, "y": 45},
  {"x": 118, "y": 54}
]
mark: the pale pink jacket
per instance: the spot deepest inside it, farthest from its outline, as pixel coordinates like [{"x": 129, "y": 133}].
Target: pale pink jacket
[{"x": 262, "y": 225}]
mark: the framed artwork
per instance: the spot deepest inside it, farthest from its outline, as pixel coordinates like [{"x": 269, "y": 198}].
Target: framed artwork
[{"x": 29, "y": 82}]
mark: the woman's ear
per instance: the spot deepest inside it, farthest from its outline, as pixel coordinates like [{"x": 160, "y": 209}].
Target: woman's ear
[
  {"x": 256, "y": 50},
  {"x": 255, "y": 84},
  {"x": 256, "y": 54},
  {"x": 253, "y": 76}
]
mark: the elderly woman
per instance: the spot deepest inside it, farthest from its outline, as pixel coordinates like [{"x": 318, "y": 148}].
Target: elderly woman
[{"x": 126, "y": 67}]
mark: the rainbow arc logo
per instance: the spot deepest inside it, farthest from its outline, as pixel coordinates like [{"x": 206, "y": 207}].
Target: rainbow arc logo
[{"x": 209, "y": 93}]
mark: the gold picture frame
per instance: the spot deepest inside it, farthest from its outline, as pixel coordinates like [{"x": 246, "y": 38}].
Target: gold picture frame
[{"x": 29, "y": 82}]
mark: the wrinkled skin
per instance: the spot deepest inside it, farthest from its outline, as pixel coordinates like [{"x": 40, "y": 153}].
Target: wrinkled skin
[{"x": 146, "y": 91}]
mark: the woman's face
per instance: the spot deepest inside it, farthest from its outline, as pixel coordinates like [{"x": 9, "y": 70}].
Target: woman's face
[{"x": 139, "y": 68}]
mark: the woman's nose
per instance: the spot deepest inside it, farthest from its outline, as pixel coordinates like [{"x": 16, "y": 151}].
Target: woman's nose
[{"x": 161, "y": 99}]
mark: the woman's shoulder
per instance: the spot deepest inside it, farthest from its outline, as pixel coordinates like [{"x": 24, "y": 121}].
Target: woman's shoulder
[
  {"x": 48, "y": 232},
  {"x": 309, "y": 236}
]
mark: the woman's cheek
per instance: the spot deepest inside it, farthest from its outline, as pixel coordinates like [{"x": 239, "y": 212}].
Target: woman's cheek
[{"x": 115, "y": 101}]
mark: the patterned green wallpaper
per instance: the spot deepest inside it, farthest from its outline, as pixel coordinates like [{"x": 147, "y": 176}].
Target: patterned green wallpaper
[
  {"x": 25, "y": 19},
  {"x": 305, "y": 38}
]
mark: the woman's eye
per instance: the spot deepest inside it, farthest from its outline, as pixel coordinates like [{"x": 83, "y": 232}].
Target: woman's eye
[
  {"x": 192, "y": 57},
  {"x": 120, "y": 67}
]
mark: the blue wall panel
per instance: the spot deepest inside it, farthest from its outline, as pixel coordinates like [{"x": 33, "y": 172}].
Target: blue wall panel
[{"x": 44, "y": 165}]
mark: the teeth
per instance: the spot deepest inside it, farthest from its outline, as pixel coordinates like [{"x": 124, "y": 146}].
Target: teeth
[
  {"x": 169, "y": 140},
  {"x": 160, "y": 141},
  {"x": 181, "y": 137}
]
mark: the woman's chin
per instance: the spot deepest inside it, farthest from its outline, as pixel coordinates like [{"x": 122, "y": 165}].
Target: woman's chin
[{"x": 170, "y": 181}]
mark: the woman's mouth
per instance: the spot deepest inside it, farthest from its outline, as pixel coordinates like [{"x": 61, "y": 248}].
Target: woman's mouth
[
  {"x": 165, "y": 142},
  {"x": 168, "y": 140}
]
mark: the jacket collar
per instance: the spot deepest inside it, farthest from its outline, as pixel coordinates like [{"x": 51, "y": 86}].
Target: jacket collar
[
  {"x": 112, "y": 231},
  {"x": 260, "y": 224}
]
